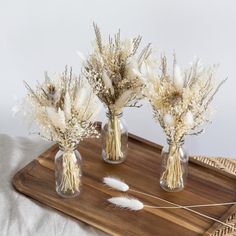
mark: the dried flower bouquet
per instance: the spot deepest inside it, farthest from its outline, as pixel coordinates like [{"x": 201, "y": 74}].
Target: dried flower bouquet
[
  {"x": 112, "y": 70},
  {"x": 64, "y": 108},
  {"x": 181, "y": 103}
]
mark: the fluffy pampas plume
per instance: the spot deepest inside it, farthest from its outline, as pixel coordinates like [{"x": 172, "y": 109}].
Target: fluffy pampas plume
[
  {"x": 116, "y": 183},
  {"x": 132, "y": 204}
]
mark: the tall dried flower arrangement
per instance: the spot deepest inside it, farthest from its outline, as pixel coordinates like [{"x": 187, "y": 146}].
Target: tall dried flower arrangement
[
  {"x": 65, "y": 109},
  {"x": 112, "y": 70},
  {"x": 181, "y": 103}
]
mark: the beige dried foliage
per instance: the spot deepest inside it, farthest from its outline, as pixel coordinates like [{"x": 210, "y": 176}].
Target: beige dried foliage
[
  {"x": 112, "y": 69},
  {"x": 184, "y": 98},
  {"x": 64, "y": 108},
  {"x": 181, "y": 102}
]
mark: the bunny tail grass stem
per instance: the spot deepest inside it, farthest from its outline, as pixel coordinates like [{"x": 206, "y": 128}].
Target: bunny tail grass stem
[
  {"x": 196, "y": 206},
  {"x": 125, "y": 202},
  {"x": 182, "y": 207}
]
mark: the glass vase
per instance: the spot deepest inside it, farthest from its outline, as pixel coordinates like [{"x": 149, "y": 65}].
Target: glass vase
[
  {"x": 174, "y": 167},
  {"x": 68, "y": 172},
  {"x": 115, "y": 139}
]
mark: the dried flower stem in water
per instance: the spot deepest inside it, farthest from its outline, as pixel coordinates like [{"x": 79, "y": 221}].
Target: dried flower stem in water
[
  {"x": 71, "y": 173},
  {"x": 113, "y": 139},
  {"x": 173, "y": 174}
]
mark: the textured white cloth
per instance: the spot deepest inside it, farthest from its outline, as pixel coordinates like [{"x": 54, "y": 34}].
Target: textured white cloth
[{"x": 20, "y": 216}]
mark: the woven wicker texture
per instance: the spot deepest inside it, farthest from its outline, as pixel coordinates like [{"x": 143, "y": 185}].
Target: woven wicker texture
[{"x": 227, "y": 166}]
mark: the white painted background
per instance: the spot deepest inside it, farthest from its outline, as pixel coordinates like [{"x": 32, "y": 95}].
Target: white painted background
[{"x": 43, "y": 35}]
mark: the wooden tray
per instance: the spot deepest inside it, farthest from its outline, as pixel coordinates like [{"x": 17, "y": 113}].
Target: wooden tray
[{"x": 141, "y": 172}]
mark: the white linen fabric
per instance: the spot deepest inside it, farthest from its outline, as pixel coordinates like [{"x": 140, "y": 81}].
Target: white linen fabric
[{"x": 19, "y": 215}]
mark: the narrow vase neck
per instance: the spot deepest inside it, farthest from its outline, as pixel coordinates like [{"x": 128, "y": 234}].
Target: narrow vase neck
[
  {"x": 177, "y": 144},
  {"x": 112, "y": 115},
  {"x": 68, "y": 148}
]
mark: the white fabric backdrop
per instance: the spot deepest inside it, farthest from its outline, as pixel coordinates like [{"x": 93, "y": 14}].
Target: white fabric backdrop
[{"x": 19, "y": 215}]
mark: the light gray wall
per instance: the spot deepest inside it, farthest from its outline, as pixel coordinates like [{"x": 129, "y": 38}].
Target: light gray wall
[{"x": 43, "y": 35}]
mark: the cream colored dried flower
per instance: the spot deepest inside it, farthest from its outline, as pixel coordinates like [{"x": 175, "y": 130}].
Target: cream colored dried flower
[
  {"x": 113, "y": 70},
  {"x": 64, "y": 108},
  {"x": 182, "y": 99}
]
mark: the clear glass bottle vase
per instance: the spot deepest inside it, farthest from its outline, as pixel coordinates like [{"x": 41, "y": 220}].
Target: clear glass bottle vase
[
  {"x": 174, "y": 167},
  {"x": 114, "y": 139},
  {"x": 68, "y": 172}
]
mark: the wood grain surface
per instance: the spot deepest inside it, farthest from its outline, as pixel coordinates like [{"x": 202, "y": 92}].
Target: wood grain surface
[{"x": 141, "y": 172}]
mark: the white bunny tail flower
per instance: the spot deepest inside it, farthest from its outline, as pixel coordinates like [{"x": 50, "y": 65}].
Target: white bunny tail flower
[
  {"x": 67, "y": 106},
  {"x": 61, "y": 117},
  {"x": 188, "y": 119},
  {"x": 168, "y": 119},
  {"x": 57, "y": 118},
  {"x": 123, "y": 99},
  {"x": 178, "y": 78},
  {"x": 107, "y": 82},
  {"x": 132, "y": 204},
  {"x": 115, "y": 183}
]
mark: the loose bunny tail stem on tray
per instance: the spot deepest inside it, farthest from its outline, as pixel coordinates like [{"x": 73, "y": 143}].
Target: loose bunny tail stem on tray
[
  {"x": 130, "y": 203},
  {"x": 134, "y": 204},
  {"x": 115, "y": 183}
]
